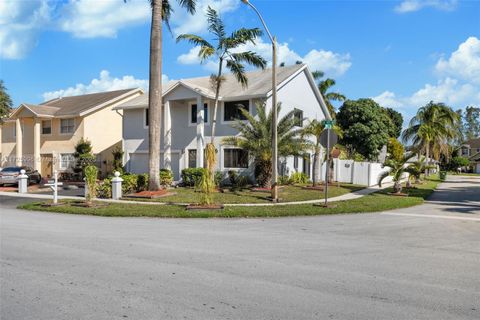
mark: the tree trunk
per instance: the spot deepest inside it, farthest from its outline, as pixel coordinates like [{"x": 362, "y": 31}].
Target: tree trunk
[
  {"x": 211, "y": 168},
  {"x": 427, "y": 160},
  {"x": 155, "y": 97},
  {"x": 316, "y": 166},
  {"x": 397, "y": 187}
]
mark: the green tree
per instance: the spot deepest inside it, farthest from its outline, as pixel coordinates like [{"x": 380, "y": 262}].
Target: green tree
[
  {"x": 324, "y": 86},
  {"x": 431, "y": 129},
  {"x": 315, "y": 129},
  {"x": 225, "y": 52},
  {"x": 256, "y": 138},
  {"x": 161, "y": 12},
  {"x": 397, "y": 120},
  {"x": 396, "y": 169},
  {"x": 365, "y": 127},
  {"x": 395, "y": 149},
  {"x": 5, "y": 102},
  {"x": 472, "y": 123}
]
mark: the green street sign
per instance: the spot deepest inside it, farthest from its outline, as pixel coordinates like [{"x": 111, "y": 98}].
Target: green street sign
[{"x": 329, "y": 124}]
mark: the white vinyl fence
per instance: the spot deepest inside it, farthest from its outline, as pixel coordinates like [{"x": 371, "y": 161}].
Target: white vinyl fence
[{"x": 361, "y": 173}]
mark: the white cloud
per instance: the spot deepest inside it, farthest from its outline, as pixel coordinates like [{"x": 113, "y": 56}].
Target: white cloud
[
  {"x": 415, "y": 5},
  {"x": 333, "y": 64},
  {"x": 449, "y": 91},
  {"x": 184, "y": 22},
  {"x": 105, "y": 82},
  {"x": 20, "y": 22},
  {"x": 93, "y": 18},
  {"x": 464, "y": 62},
  {"x": 388, "y": 99}
]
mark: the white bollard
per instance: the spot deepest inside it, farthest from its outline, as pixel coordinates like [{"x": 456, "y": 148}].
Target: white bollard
[
  {"x": 85, "y": 189},
  {"x": 22, "y": 182},
  {"x": 117, "y": 186}
]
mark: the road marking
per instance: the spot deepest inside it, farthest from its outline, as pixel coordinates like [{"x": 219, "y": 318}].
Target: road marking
[{"x": 430, "y": 216}]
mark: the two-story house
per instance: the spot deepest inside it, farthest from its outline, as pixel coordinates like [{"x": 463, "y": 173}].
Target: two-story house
[
  {"x": 187, "y": 116},
  {"x": 43, "y": 136},
  {"x": 471, "y": 150}
]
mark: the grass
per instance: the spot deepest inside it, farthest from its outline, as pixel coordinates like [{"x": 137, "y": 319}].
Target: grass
[
  {"x": 287, "y": 194},
  {"x": 379, "y": 201},
  {"x": 464, "y": 174}
]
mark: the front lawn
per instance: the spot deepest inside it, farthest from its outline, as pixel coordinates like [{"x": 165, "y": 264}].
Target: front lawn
[
  {"x": 286, "y": 194},
  {"x": 379, "y": 201}
]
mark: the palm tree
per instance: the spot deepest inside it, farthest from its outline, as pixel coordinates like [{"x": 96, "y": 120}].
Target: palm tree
[
  {"x": 315, "y": 129},
  {"x": 431, "y": 129},
  {"x": 226, "y": 55},
  {"x": 397, "y": 169},
  {"x": 324, "y": 86},
  {"x": 256, "y": 138},
  {"x": 161, "y": 12}
]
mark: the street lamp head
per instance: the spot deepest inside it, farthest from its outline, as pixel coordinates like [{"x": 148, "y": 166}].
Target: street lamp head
[{"x": 245, "y": 1}]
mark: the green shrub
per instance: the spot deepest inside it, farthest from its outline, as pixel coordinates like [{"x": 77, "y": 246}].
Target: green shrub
[
  {"x": 142, "y": 182},
  {"x": 166, "y": 177},
  {"x": 232, "y": 177},
  {"x": 298, "y": 178},
  {"x": 129, "y": 184},
  {"x": 117, "y": 154},
  {"x": 218, "y": 178},
  {"x": 284, "y": 180},
  {"x": 91, "y": 173},
  {"x": 104, "y": 188},
  {"x": 242, "y": 182},
  {"x": 192, "y": 176}
]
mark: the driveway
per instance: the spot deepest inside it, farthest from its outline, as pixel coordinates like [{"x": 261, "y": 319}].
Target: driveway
[{"x": 416, "y": 263}]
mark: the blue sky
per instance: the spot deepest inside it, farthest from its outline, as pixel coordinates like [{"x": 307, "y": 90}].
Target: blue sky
[{"x": 402, "y": 53}]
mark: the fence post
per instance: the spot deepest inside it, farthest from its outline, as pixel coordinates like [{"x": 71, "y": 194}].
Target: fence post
[
  {"x": 22, "y": 182},
  {"x": 117, "y": 186}
]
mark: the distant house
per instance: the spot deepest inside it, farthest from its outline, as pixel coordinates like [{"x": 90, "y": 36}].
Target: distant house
[
  {"x": 43, "y": 136},
  {"x": 470, "y": 148},
  {"x": 187, "y": 117}
]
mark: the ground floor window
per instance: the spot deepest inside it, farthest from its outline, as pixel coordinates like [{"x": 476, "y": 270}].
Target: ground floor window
[
  {"x": 192, "y": 158},
  {"x": 235, "y": 158},
  {"x": 306, "y": 164},
  {"x": 67, "y": 161}
]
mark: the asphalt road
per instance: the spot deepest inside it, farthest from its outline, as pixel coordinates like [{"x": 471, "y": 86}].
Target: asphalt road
[{"x": 417, "y": 263}]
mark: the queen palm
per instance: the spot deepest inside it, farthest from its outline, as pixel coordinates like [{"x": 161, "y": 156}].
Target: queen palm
[
  {"x": 315, "y": 129},
  {"x": 431, "y": 129},
  {"x": 226, "y": 54},
  {"x": 256, "y": 138},
  {"x": 161, "y": 12},
  {"x": 324, "y": 87}
]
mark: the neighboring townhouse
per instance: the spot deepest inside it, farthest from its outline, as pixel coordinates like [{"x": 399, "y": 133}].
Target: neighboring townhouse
[
  {"x": 470, "y": 148},
  {"x": 43, "y": 136},
  {"x": 186, "y": 127}
]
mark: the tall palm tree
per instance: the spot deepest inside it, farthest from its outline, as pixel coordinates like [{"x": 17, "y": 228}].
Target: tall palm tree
[
  {"x": 161, "y": 12},
  {"x": 225, "y": 52},
  {"x": 315, "y": 129},
  {"x": 324, "y": 86},
  {"x": 256, "y": 138},
  {"x": 431, "y": 129}
]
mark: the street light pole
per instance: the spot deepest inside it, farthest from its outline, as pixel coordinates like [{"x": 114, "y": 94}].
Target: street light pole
[{"x": 274, "y": 104}]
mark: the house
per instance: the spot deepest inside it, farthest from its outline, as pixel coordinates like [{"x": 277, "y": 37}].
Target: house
[
  {"x": 43, "y": 136},
  {"x": 186, "y": 127},
  {"x": 470, "y": 148}
]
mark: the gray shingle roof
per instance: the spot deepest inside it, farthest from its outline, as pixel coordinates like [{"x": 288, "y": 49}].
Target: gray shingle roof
[
  {"x": 259, "y": 84},
  {"x": 75, "y": 105}
]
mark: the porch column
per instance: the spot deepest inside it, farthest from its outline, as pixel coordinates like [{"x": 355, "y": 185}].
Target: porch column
[
  {"x": 200, "y": 132},
  {"x": 19, "y": 142},
  {"x": 167, "y": 137},
  {"x": 36, "y": 145}
]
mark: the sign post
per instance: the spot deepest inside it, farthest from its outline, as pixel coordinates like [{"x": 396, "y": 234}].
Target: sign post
[
  {"x": 54, "y": 187},
  {"x": 328, "y": 138}
]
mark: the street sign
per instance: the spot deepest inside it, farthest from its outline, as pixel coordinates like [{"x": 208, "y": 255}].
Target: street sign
[
  {"x": 329, "y": 124},
  {"x": 328, "y": 137}
]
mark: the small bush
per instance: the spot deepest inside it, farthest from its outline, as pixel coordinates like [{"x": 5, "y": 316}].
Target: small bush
[
  {"x": 232, "y": 177},
  {"x": 129, "y": 184},
  {"x": 218, "y": 178},
  {"x": 142, "y": 182},
  {"x": 298, "y": 178},
  {"x": 166, "y": 177},
  {"x": 192, "y": 176},
  {"x": 104, "y": 188},
  {"x": 91, "y": 173},
  {"x": 284, "y": 180}
]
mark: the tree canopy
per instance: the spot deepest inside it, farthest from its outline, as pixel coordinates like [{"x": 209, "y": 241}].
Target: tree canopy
[
  {"x": 470, "y": 123},
  {"x": 397, "y": 120},
  {"x": 365, "y": 126},
  {"x": 5, "y": 102}
]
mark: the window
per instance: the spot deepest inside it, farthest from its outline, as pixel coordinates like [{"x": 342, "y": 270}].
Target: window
[
  {"x": 295, "y": 163},
  {"x": 298, "y": 117},
  {"x": 232, "y": 110},
  {"x": 235, "y": 158},
  {"x": 46, "y": 127},
  {"x": 146, "y": 118},
  {"x": 193, "y": 113},
  {"x": 192, "y": 158},
  {"x": 67, "y": 161},
  {"x": 67, "y": 125},
  {"x": 306, "y": 164}
]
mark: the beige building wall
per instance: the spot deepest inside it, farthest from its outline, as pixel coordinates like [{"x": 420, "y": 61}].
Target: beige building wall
[{"x": 8, "y": 143}]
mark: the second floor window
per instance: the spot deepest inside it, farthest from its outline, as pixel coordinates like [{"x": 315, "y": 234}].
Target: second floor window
[
  {"x": 193, "y": 115},
  {"x": 46, "y": 127},
  {"x": 67, "y": 125},
  {"x": 232, "y": 110},
  {"x": 298, "y": 117}
]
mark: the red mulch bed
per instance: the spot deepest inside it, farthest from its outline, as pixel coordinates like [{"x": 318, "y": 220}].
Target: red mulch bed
[
  {"x": 199, "y": 207},
  {"x": 150, "y": 194}
]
